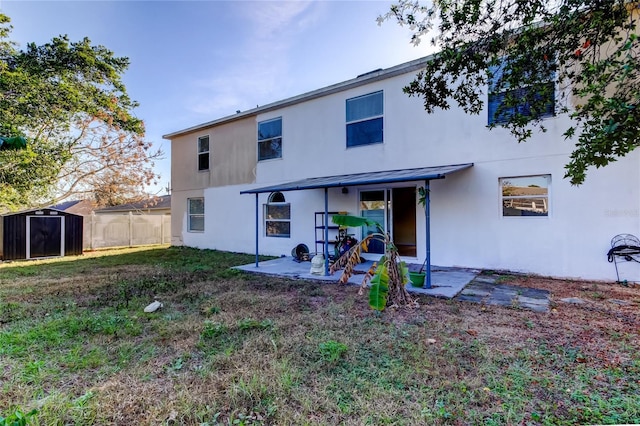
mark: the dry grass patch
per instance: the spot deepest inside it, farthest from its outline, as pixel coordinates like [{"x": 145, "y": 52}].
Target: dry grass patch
[{"x": 231, "y": 347}]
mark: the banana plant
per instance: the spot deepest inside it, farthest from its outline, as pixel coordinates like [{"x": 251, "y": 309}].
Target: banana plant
[{"x": 388, "y": 277}]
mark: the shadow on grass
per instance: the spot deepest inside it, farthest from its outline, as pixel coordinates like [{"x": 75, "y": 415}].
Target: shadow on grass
[{"x": 183, "y": 259}]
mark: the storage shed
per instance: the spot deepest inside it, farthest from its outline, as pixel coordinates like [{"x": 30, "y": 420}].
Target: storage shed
[{"x": 40, "y": 233}]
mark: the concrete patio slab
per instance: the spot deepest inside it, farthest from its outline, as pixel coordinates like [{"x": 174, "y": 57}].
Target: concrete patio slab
[{"x": 445, "y": 282}]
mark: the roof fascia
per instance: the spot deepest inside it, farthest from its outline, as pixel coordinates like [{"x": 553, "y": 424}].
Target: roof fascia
[
  {"x": 288, "y": 186},
  {"x": 38, "y": 210},
  {"x": 366, "y": 78}
]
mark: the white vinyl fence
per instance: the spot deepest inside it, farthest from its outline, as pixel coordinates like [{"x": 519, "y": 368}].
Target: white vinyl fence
[{"x": 125, "y": 230}]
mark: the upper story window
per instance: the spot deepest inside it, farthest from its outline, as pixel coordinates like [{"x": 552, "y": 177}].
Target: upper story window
[
  {"x": 364, "y": 119},
  {"x": 277, "y": 216},
  {"x": 525, "y": 195},
  {"x": 270, "y": 139},
  {"x": 195, "y": 208},
  {"x": 203, "y": 153},
  {"x": 536, "y": 100}
]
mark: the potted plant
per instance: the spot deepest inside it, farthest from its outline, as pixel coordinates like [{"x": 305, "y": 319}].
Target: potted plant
[{"x": 417, "y": 278}]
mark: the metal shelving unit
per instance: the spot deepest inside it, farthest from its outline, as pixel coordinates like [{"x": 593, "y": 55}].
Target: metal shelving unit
[{"x": 319, "y": 231}]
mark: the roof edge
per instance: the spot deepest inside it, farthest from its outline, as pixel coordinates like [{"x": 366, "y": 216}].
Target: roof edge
[
  {"x": 37, "y": 210},
  {"x": 361, "y": 80},
  {"x": 304, "y": 184}
]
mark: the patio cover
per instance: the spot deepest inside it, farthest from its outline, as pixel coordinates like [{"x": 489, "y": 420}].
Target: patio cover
[{"x": 370, "y": 178}]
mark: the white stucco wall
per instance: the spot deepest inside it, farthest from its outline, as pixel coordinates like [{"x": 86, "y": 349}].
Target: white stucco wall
[
  {"x": 572, "y": 242},
  {"x": 466, "y": 220},
  {"x": 230, "y": 224}
]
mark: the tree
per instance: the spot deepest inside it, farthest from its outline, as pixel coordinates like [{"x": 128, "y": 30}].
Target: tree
[
  {"x": 587, "y": 49},
  {"x": 67, "y": 101},
  {"x": 113, "y": 189}
]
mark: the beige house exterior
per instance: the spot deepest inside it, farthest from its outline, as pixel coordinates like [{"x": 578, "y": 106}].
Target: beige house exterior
[{"x": 232, "y": 158}]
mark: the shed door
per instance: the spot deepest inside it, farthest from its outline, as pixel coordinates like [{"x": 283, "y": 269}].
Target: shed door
[{"x": 45, "y": 236}]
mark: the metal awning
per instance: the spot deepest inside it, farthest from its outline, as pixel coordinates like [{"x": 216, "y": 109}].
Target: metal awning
[
  {"x": 425, "y": 174},
  {"x": 369, "y": 178}
]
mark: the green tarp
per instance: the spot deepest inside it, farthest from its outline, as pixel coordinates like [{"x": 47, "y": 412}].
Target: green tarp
[{"x": 16, "y": 142}]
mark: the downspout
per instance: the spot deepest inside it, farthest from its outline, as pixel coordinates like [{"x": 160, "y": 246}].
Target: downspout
[{"x": 427, "y": 214}]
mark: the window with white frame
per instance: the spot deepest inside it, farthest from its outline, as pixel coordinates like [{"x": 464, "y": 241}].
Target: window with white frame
[
  {"x": 203, "y": 153},
  {"x": 277, "y": 216},
  {"x": 536, "y": 99},
  {"x": 270, "y": 139},
  {"x": 365, "y": 119},
  {"x": 195, "y": 208},
  {"x": 525, "y": 195}
]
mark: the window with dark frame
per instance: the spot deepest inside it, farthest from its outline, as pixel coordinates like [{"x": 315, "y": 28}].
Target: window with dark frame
[
  {"x": 505, "y": 102},
  {"x": 364, "y": 117},
  {"x": 203, "y": 153},
  {"x": 277, "y": 216},
  {"x": 525, "y": 195},
  {"x": 270, "y": 139},
  {"x": 195, "y": 207}
]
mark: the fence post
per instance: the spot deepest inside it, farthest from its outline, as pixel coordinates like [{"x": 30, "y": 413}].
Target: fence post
[
  {"x": 91, "y": 229},
  {"x": 130, "y": 229},
  {"x": 162, "y": 229}
]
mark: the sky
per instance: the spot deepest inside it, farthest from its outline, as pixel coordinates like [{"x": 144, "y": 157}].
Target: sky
[{"x": 197, "y": 61}]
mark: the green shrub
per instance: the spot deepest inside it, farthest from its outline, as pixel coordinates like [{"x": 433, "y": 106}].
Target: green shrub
[
  {"x": 331, "y": 351},
  {"x": 17, "y": 418}
]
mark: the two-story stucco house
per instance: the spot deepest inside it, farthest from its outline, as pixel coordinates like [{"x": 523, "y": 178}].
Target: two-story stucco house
[{"x": 263, "y": 179}]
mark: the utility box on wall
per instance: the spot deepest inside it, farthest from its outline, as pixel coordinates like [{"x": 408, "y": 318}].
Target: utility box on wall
[{"x": 42, "y": 233}]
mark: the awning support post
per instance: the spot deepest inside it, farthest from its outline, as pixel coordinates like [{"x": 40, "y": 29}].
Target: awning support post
[
  {"x": 257, "y": 229},
  {"x": 427, "y": 214},
  {"x": 326, "y": 231}
]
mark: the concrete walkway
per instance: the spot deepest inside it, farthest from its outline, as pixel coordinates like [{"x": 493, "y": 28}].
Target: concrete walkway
[
  {"x": 484, "y": 289},
  {"x": 445, "y": 282}
]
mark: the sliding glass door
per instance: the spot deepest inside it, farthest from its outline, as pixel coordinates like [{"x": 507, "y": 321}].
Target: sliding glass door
[
  {"x": 395, "y": 210},
  {"x": 373, "y": 206},
  {"x": 403, "y": 220}
]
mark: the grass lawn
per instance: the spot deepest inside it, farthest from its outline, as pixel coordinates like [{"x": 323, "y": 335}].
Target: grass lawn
[{"x": 234, "y": 348}]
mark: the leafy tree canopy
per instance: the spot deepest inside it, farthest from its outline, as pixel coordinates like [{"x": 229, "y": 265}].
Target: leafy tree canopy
[
  {"x": 589, "y": 47},
  {"x": 66, "y": 100}
]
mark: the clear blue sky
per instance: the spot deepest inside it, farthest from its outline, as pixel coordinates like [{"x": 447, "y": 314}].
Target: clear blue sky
[{"x": 196, "y": 61}]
